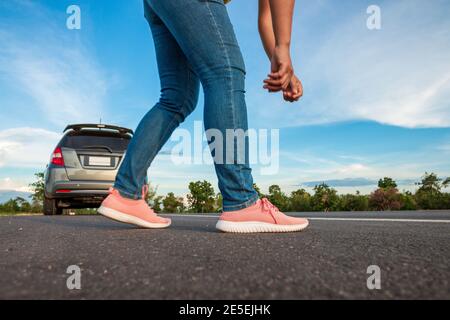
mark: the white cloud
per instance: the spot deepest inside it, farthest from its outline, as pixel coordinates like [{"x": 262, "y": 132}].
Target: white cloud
[
  {"x": 15, "y": 185},
  {"x": 51, "y": 65},
  {"x": 399, "y": 75},
  {"x": 26, "y": 147}
]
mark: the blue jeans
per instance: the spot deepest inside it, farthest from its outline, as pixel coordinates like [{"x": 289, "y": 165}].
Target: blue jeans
[{"x": 195, "y": 44}]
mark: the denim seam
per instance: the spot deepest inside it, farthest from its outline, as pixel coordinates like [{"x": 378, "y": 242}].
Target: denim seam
[
  {"x": 186, "y": 91},
  {"x": 230, "y": 86}
]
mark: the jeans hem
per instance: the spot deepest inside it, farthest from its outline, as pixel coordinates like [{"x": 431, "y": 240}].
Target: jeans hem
[
  {"x": 241, "y": 206},
  {"x": 126, "y": 194}
]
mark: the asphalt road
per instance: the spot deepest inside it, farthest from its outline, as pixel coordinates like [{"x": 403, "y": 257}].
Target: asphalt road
[{"x": 191, "y": 260}]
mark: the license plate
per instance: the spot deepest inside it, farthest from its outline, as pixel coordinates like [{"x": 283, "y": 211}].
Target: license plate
[{"x": 100, "y": 161}]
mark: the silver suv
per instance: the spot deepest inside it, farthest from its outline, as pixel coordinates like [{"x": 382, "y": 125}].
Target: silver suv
[{"x": 84, "y": 166}]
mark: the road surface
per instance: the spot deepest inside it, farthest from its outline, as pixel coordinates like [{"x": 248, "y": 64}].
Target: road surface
[{"x": 191, "y": 260}]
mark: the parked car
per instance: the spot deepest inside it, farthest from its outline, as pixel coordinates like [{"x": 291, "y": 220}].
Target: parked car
[{"x": 83, "y": 166}]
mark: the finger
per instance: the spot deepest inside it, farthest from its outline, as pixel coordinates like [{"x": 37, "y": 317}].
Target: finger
[
  {"x": 295, "y": 97},
  {"x": 295, "y": 88},
  {"x": 289, "y": 99},
  {"x": 271, "y": 82},
  {"x": 272, "y": 88},
  {"x": 268, "y": 85},
  {"x": 300, "y": 89},
  {"x": 285, "y": 81},
  {"x": 274, "y": 75},
  {"x": 283, "y": 69},
  {"x": 299, "y": 94},
  {"x": 288, "y": 96},
  {"x": 296, "y": 91},
  {"x": 296, "y": 94}
]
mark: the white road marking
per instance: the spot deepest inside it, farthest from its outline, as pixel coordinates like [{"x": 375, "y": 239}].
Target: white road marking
[
  {"x": 381, "y": 219},
  {"x": 332, "y": 219}
]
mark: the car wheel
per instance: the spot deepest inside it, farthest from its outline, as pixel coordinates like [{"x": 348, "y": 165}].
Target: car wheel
[{"x": 51, "y": 207}]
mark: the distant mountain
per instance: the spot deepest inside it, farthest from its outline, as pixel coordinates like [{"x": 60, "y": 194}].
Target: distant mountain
[
  {"x": 353, "y": 182},
  {"x": 348, "y": 182},
  {"x": 5, "y": 195}
]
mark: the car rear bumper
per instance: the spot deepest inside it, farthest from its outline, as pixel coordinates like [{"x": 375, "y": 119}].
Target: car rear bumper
[{"x": 80, "y": 189}]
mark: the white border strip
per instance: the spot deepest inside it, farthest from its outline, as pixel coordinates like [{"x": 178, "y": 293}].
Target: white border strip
[
  {"x": 382, "y": 220},
  {"x": 330, "y": 219}
]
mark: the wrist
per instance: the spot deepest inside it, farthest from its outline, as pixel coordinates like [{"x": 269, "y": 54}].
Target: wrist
[{"x": 283, "y": 45}]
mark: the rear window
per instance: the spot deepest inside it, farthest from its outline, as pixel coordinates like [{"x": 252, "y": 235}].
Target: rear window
[{"x": 91, "y": 140}]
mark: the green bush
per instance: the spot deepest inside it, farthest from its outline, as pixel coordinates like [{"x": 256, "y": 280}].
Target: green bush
[
  {"x": 300, "y": 201},
  {"x": 279, "y": 198},
  {"x": 202, "y": 198},
  {"x": 353, "y": 202},
  {"x": 324, "y": 198},
  {"x": 408, "y": 201}
]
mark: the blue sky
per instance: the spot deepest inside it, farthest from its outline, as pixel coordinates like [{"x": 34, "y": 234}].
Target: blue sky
[{"x": 377, "y": 102}]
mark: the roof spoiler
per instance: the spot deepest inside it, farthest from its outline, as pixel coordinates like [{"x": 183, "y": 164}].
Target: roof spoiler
[{"x": 78, "y": 127}]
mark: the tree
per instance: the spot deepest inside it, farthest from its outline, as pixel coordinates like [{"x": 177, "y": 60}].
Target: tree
[
  {"x": 387, "y": 183},
  {"x": 38, "y": 188},
  {"x": 446, "y": 182},
  {"x": 300, "y": 201},
  {"x": 24, "y": 205},
  {"x": 430, "y": 183},
  {"x": 445, "y": 201},
  {"x": 354, "y": 202},
  {"x": 278, "y": 198},
  {"x": 157, "y": 202},
  {"x": 258, "y": 190},
  {"x": 408, "y": 201},
  {"x": 385, "y": 199},
  {"x": 173, "y": 204},
  {"x": 201, "y": 197},
  {"x": 16, "y": 205},
  {"x": 11, "y": 206},
  {"x": 153, "y": 199},
  {"x": 324, "y": 198},
  {"x": 429, "y": 195},
  {"x": 218, "y": 202}
]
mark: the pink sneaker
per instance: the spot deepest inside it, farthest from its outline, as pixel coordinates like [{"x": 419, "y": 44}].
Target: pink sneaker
[
  {"x": 136, "y": 212},
  {"x": 261, "y": 217}
]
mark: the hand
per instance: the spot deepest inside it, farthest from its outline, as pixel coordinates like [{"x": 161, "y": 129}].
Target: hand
[
  {"x": 294, "y": 91},
  {"x": 282, "y": 70}
]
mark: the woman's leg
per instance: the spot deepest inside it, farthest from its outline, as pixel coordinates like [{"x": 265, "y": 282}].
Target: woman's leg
[
  {"x": 179, "y": 96},
  {"x": 204, "y": 32}
]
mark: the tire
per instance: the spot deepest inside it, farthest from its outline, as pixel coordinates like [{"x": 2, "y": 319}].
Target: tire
[{"x": 51, "y": 207}]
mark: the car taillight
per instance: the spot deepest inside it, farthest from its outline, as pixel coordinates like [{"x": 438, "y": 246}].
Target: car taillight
[
  {"x": 63, "y": 191},
  {"x": 57, "y": 157}
]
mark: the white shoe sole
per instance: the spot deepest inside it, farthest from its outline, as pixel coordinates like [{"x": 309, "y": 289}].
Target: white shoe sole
[
  {"x": 257, "y": 227},
  {"x": 126, "y": 218}
]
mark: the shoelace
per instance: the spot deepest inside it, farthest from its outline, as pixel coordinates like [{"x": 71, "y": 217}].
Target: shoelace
[{"x": 269, "y": 207}]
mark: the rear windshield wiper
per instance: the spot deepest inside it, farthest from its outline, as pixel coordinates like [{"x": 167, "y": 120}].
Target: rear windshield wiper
[{"x": 97, "y": 147}]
